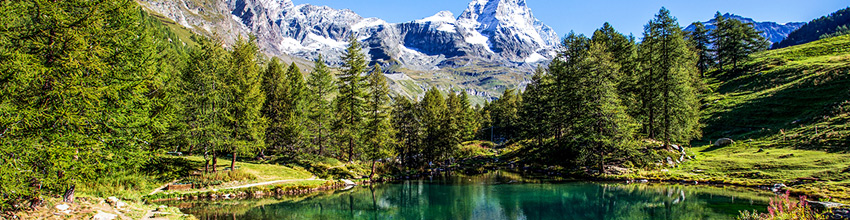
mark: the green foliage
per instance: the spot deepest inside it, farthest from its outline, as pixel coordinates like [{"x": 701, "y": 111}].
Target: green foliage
[
  {"x": 830, "y": 25},
  {"x": 669, "y": 108},
  {"x": 349, "y": 102},
  {"x": 320, "y": 88},
  {"x": 409, "y": 132},
  {"x": 82, "y": 94},
  {"x": 276, "y": 109},
  {"x": 377, "y": 132},
  {"x": 734, "y": 41},
  {"x": 212, "y": 179},
  {"x": 700, "y": 42},
  {"x": 245, "y": 120}
]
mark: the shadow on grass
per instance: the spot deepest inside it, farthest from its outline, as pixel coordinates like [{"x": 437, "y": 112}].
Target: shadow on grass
[
  {"x": 802, "y": 97},
  {"x": 169, "y": 168}
]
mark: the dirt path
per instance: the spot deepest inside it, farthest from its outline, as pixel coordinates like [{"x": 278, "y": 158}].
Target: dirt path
[{"x": 157, "y": 190}]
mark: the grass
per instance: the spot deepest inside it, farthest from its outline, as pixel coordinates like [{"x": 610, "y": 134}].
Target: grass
[
  {"x": 788, "y": 113},
  {"x": 262, "y": 172}
]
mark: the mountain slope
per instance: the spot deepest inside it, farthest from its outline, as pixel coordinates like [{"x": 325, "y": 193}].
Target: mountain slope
[
  {"x": 490, "y": 38},
  {"x": 792, "y": 97},
  {"x": 771, "y": 31},
  {"x": 838, "y": 21}
]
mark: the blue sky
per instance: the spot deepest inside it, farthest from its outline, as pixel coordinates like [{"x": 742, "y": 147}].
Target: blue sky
[{"x": 627, "y": 16}]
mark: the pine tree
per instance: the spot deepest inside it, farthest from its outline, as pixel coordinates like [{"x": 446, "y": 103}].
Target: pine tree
[
  {"x": 734, "y": 41},
  {"x": 468, "y": 122},
  {"x": 349, "y": 102},
  {"x": 276, "y": 107},
  {"x": 668, "y": 82},
  {"x": 246, "y": 124},
  {"x": 321, "y": 88},
  {"x": 378, "y": 133},
  {"x": 566, "y": 87}
]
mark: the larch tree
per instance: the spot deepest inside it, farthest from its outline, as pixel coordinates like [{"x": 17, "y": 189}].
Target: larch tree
[
  {"x": 295, "y": 119},
  {"x": 320, "y": 87},
  {"x": 408, "y": 130},
  {"x": 245, "y": 120},
  {"x": 535, "y": 107},
  {"x": 700, "y": 42},
  {"x": 75, "y": 93},
  {"x": 276, "y": 106},
  {"x": 377, "y": 133},
  {"x": 349, "y": 102},
  {"x": 669, "y": 82}
]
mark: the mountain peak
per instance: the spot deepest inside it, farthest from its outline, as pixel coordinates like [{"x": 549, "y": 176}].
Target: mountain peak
[
  {"x": 443, "y": 16},
  {"x": 511, "y": 27}
]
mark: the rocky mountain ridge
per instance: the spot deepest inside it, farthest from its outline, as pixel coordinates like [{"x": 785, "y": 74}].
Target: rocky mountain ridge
[{"x": 772, "y": 31}]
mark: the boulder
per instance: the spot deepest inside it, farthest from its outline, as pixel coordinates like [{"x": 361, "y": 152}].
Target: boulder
[
  {"x": 723, "y": 142},
  {"x": 63, "y": 207},
  {"x": 104, "y": 216}
]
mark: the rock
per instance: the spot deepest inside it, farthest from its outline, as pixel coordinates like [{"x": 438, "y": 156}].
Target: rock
[
  {"x": 348, "y": 182},
  {"x": 161, "y": 208},
  {"x": 104, "y": 216},
  {"x": 723, "y": 142},
  {"x": 63, "y": 207},
  {"x": 643, "y": 181},
  {"x": 670, "y": 161},
  {"x": 120, "y": 205},
  {"x": 112, "y": 200},
  {"x": 760, "y": 150},
  {"x": 824, "y": 205}
]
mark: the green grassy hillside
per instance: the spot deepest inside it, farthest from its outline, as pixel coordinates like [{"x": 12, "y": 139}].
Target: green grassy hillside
[
  {"x": 792, "y": 97},
  {"x": 789, "y": 115}
]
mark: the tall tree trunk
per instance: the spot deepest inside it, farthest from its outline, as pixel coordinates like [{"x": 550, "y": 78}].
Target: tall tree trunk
[
  {"x": 350, "y": 149},
  {"x": 233, "y": 161},
  {"x": 214, "y": 162},
  {"x": 69, "y": 194},
  {"x": 372, "y": 173}
]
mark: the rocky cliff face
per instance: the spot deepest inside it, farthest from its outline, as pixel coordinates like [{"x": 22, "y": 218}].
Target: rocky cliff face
[
  {"x": 496, "y": 31},
  {"x": 772, "y": 31}
]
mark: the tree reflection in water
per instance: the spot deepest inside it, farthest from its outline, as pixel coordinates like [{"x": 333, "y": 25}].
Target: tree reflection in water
[{"x": 498, "y": 195}]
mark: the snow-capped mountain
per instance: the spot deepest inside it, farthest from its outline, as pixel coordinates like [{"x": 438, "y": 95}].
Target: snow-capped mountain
[
  {"x": 772, "y": 31},
  {"x": 500, "y": 31}
]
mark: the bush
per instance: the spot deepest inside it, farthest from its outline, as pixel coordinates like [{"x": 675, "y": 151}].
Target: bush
[
  {"x": 782, "y": 207},
  {"x": 217, "y": 178}
]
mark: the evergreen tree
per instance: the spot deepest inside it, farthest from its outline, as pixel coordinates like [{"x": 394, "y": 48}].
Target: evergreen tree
[
  {"x": 734, "y": 41},
  {"x": 276, "y": 108},
  {"x": 566, "y": 87},
  {"x": 349, "y": 102},
  {"x": 296, "y": 104},
  {"x": 607, "y": 126},
  {"x": 321, "y": 88},
  {"x": 700, "y": 43},
  {"x": 378, "y": 133},
  {"x": 246, "y": 124},
  {"x": 76, "y": 85},
  {"x": 536, "y": 105},
  {"x": 468, "y": 122},
  {"x": 408, "y": 127},
  {"x": 432, "y": 107},
  {"x": 668, "y": 82},
  {"x": 452, "y": 125},
  {"x": 205, "y": 100}
]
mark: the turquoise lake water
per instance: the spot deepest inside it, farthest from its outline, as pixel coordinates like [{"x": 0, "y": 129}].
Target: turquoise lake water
[{"x": 497, "y": 195}]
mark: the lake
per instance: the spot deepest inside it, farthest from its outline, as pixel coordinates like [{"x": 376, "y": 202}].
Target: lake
[{"x": 496, "y": 195}]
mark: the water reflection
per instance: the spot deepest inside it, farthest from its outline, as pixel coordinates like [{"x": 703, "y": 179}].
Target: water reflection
[{"x": 494, "y": 196}]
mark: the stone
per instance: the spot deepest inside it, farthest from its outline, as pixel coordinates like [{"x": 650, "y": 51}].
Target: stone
[
  {"x": 824, "y": 205},
  {"x": 161, "y": 208},
  {"x": 348, "y": 182},
  {"x": 63, "y": 207},
  {"x": 723, "y": 142},
  {"x": 760, "y": 150},
  {"x": 120, "y": 205},
  {"x": 112, "y": 200},
  {"x": 670, "y": 161},
  {"x": 104, "y": 216}
]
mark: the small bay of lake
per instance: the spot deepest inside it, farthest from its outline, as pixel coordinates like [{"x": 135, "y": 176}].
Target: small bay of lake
[{"x": 496, "y": 195}]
